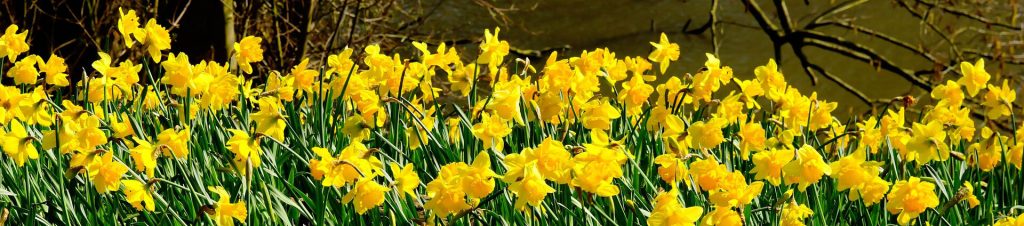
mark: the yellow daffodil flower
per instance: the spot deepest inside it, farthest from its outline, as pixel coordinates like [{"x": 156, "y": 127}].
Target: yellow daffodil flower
[
  {"x": 406, "y": 179},
  {"x": 138, "y": 195},
  {"x": 225, "y": 212},
  {"x": 174, "y": 143},
  {"x": 668, "y": 211},
  {"x": 909, "y": 198},
  {"x": 18, "y": 144},
  {"x": 248, "y": 51},
  {"x": 806, "y": 169},
  {"x": 975, "y": 77},
  {"x": 664, "y": 52},
  {"x": 106, "y": 173},
  {"x": 13, "y": 43}
]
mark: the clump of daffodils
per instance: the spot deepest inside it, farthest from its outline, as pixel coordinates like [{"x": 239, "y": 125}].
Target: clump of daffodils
[{"x": 382, "y": 133}]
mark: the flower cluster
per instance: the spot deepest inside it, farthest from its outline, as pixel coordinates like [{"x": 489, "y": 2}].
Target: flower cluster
[{"x": 579, "y": 128}]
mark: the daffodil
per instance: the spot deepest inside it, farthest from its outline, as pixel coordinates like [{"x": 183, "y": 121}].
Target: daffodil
[
  {"x": 144, "y": 156},
  {"x": 355, "y": 128},
  {"x": 18, "y": 145},
  {"x": 368, "y": 104},
  {"x": 445, "y": 193},
  {"x": 668, "y": 211},
  {"x": 78, "y": 131},
  {"x": 806, "y": 169},
  {"x": 461, "y": 79},
  {"x": 55, "y": 70},
  {"x": 967, "y": 194},
  {"x": 174, "y": 143},
  {"x": 670, "y": 92},
  {"x": 529, "y": 187},
  {"x": 505, "y": 98},
  {"x": 1010, "y": 221},
  {"x": 406, "y": 179},
  {"x": 722, "y": 217},
  {"x": 949, "y": 94},
  {"x": 636, "y": 65},
  {"x": 269, "y": 119},
  {"x": 222, "y": 88},
  {"x": 795, "y": 109},
  {"x": 672, "y": 169},
  {"x": 24, "y": 71},
  {"x": 927, "y": 144},
  {"x": 731, "y": 109},
  {"x": 987, "y": 153},
  {"x": 589, "y": 63},
  {"x": 999, "y": 101},
  {"x": 870, "y": 135},
  {"x": 225, "y": 212},
  {"x": 340, "y": 64},
  {"x": 10, "y": 97},
  {"x": 478, "y": 179},
  {"x": 102, "y": 64},
  {"x": 664, "y": 52},
  {"x": 178, "y": 72},
  {"x": 491, "y": 130},
  {"x": 106, "y": 173},
  {"x": 909, "y": 198},
  {"x": 599, "y": 165},
  {"x": 302, "y": 76},
  {"x": 557, "y": 75},
  {"x": 128, "y": 26},
  {"x": 773, "y": 83},
  {"x": 138, "y": 195},
  {"x": 768, "y": 165},
  {"x": 454, "y": 130},
  {"x": 793, "y": 214},
  {"x": 616, "y": 70},
  {"x": 752, "y": 138},
  {"x": 662, "y": 119},
  {"x": 708, "y": 81},
  {"x": 974, "y": 76},
  {"x": 126, "y": 74},
  {"x": 442, "y": 58},
  {"x": 35, "y": 110},
  {"x": 1015, "y": 153},
  {"x": 598, "y": 113},
  {"x": 553, "y": 162},
  {"x": 322, "y": 165},
  {"x": 860, "y": 177},
  {"x": 120, "y": 125},
  {"x": 733, "y": 191},
  {"x": 551, "y": 107},
  {"x": 354, "y": 162},
  {"x": 706, "y": 134},
  {"x": 248, "y": 51},
  {"x": 708, "y": 174},
  {"x": 457, "y": 182},
  {"x": 634, "y": 94},
  {"x": 716, "y": 71},
  {"x": 492, "y": 49},
  {"x": 872, "y": 192},
  {"x": 157, "y": 39},
  {"x": 365, "y": 194},
  {"x": 821, "y": 115},
  {"x": 750, "y": 89},
  {"x": 893, "y": 121},
  {"x": 246, "y": 149},
  {"x": 13, "y": 43}
]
